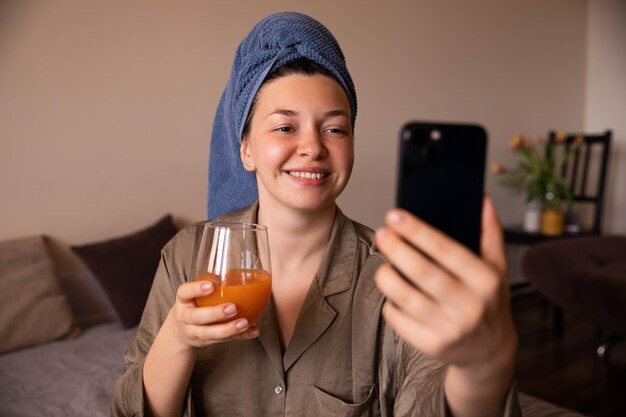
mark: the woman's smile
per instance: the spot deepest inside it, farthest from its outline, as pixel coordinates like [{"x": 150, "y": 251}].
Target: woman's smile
[{"x": 309, "y": 176}]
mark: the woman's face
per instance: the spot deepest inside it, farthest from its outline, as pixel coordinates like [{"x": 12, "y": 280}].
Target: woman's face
[{"x": 300, "y": 141}]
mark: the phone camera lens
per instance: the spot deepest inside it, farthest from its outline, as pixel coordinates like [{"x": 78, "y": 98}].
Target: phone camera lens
[{"x": 435, "y": 135}]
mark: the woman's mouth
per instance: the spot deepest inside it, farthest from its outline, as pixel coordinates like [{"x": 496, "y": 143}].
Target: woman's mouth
[{"x": 308, "y": 175}]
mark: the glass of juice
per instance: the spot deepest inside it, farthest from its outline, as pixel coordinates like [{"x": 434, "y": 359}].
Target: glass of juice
[{"x": 235, "y": 257}]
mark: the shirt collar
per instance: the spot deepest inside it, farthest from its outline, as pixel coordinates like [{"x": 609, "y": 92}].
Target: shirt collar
[{"x": 337, "y": 268}]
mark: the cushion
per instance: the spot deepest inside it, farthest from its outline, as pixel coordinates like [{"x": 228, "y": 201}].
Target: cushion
[
  {"x": 34, "y": 308},
  {"x": 125, "y": 266},
  {"x": 90, "y": 304}
]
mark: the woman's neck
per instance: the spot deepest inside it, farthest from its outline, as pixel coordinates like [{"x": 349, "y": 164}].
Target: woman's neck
[
  {"x": 296, "y": 236},
  {"x": 298, "y": 241}
]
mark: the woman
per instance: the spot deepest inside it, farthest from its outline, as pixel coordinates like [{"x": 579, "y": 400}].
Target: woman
[{"x": 284, "y": 127}]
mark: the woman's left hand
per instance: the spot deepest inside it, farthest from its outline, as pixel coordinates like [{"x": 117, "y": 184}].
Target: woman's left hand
[{"x": 443, "y": 299}]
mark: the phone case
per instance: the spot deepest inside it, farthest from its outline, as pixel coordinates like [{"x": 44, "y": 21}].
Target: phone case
[{"x": 441, "y": 177}]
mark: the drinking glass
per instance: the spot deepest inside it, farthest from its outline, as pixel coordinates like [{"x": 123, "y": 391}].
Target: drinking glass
[{"x": 235, "y": 257}]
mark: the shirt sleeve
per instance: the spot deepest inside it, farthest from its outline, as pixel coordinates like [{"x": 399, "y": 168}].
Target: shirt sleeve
[
  {"x": 415, "y": 382},
  {"x": 128, "y": 393}
]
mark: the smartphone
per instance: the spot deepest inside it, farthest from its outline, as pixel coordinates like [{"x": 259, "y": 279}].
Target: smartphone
[{"x": 441, "y": 177}]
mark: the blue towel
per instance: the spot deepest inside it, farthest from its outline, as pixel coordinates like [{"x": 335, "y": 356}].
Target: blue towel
[{"x": 274, "y": 41}]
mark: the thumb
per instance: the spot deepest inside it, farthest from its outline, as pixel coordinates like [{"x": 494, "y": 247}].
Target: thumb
[{"x": 491, "y": 239}]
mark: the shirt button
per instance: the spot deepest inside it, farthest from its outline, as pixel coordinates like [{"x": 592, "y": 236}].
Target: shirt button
[{"x": 278, "y": 389}]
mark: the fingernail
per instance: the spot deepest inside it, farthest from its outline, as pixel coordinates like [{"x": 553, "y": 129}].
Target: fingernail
[
  {"x": 395, "y": 217},
  {"x": 230, "y": 309},
  {"x": 254, "y": 333},
  {"x": 381, "y": 235},
  {"x": 241, "y": 324},
  {"x": 206, "y": 287}
]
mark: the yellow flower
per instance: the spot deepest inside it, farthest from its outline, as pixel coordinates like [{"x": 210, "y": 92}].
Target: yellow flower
[
  {"x": 517, "y": 142},
  {"x": 498, "y": 169},
  {"x": 520, "y": 142},
  {"x": 560, "y": 136}
]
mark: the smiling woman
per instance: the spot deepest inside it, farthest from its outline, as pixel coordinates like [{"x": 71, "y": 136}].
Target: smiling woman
[{"x": 282, "y": 151}]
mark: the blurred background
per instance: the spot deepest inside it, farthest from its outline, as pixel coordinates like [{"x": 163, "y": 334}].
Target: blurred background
[{"x": 106, "y": 107}]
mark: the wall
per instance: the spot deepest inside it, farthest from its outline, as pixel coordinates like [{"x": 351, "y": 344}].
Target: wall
[
  {"x": 605, "y": 104},
  {"x": 106, "y": 107}
]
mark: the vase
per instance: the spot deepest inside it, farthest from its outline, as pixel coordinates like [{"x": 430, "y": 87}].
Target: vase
[
  {"x": 552, "y": 222},
  {"x": 532, "y": 217}
]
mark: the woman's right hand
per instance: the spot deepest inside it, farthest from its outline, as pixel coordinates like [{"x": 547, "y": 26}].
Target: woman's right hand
[
  {"x": 170, "y": 360},
  {"x": 203, "y": 326}
]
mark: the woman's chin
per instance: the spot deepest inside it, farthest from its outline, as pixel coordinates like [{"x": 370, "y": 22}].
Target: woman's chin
[{"x": 311, "y": 205}]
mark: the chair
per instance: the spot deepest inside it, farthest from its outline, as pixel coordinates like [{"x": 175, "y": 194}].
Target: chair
[{"x": 588, "y": 165}]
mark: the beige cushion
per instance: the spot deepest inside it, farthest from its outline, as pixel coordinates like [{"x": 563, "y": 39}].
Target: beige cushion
[{"x": 33, "y": 308}]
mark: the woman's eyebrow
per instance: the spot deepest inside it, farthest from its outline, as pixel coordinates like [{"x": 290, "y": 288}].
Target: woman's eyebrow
[
  {"x": 337, "y": 112},
  {"x": 292, "y": 113},
  {"x": 283, "y": 112}
]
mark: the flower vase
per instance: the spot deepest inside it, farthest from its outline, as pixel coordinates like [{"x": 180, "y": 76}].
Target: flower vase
[
  {"x": 532, "y": 217},
  {"x": 552, "y": 222}
]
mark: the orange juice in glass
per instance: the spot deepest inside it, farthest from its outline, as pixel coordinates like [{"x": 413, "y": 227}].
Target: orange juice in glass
[{"x": 235, "y": 257}]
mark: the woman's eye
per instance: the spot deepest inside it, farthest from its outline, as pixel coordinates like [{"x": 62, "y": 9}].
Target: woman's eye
[
  {"x": 284, "y": 129},
  {"x": 335, "y": 131}
]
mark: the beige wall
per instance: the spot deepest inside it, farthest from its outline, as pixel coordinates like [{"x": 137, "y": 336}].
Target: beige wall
[
  {"x": 106, "y": 107},
  {"x": 605, "y": 104}
]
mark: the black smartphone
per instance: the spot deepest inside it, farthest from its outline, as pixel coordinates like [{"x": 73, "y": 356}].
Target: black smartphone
[{"x": 441, "y": 177}]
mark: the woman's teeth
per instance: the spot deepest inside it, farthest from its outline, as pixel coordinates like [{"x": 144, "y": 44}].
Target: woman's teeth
[{"x": 307, "y": 175}]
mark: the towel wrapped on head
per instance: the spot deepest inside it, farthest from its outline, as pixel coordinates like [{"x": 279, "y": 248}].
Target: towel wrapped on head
[{"x": 273, "y": 42}]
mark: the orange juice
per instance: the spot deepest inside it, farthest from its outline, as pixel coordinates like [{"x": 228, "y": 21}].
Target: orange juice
[{"x": 248, "y": 289}]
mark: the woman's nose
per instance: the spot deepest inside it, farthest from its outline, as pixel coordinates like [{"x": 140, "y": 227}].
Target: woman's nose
[{"x": 311, "y": 145}]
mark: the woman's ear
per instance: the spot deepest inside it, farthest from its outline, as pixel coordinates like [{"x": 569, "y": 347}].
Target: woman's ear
[{"x": 244, "y": 153}]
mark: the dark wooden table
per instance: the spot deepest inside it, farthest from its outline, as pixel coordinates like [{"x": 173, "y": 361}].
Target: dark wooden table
[{"x": 517, "y": 235}]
